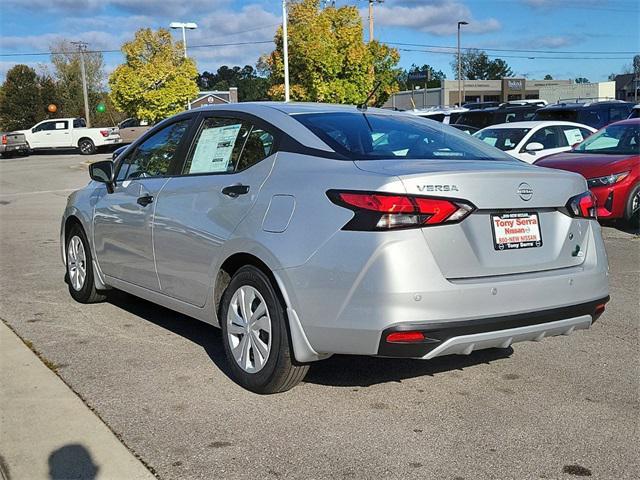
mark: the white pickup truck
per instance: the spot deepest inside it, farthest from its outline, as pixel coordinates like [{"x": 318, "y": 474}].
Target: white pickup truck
[{"x": 70, "y": 133}]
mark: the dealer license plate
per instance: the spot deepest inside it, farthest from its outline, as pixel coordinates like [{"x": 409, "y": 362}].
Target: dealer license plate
[{"x": 516, "y": 230}]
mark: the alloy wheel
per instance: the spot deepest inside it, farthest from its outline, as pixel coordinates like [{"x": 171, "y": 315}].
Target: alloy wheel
[
  {"x": 249, "y": 329},
  {"x": 76, "y": 263}
]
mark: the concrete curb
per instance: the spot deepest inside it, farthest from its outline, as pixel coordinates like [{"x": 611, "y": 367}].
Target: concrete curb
[{"x": 46, "y": 431}]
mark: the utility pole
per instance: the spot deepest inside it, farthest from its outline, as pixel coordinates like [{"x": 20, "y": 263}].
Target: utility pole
[
  {"x": 82, "y": 48},
  {"x": 460, "y": 100},
  {"x": 285, "y": 50},
  {"x": 371, "y": 2}
]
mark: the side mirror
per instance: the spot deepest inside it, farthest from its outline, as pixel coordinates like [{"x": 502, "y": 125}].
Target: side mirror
[
  {"x": 534, "y": 147},
  {"x": 103, "y": 172}
]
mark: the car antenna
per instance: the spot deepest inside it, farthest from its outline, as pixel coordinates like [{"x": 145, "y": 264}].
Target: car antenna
[{"x": 363, "y": 106}]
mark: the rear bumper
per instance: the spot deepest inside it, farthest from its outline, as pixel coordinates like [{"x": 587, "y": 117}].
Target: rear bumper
[{"x": 464, "y": 337}]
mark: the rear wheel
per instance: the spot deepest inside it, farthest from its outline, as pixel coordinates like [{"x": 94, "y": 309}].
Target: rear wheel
[
  {"x": 632, "y": 212},
  {"x": 80, "y": 268},
  {"x": 86, "y": 146},
  {"x": 255, "y": 335}
]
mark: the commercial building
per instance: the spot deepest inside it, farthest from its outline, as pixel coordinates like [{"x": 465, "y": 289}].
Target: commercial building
[
  {"x": 504, "y": 90},
  {"x": 627, "y": 87}
]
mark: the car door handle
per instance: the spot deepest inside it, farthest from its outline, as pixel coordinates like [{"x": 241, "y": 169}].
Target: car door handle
[
  {"x": 235, "y": 190},
  {"x": 145, "y": 200}
]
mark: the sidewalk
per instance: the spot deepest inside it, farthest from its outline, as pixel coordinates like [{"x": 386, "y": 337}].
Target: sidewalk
[{"x": 46, "y": 431}]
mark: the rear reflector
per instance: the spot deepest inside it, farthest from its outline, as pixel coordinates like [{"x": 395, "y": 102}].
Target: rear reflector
[
  {"x": 405, "y": 337},
  {"x": 104, "y": 133},
  {"x": 600, "y": 308},
  {"x": 385, "y": 211}
]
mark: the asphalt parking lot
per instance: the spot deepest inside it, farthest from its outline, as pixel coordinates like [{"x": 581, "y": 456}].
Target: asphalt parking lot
[{"x": 561, "y": 408}]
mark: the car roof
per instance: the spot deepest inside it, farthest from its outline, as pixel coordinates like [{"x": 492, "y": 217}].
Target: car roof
[
  {"x": 292, "y": 108},
  {"x": 539, "y": 123},
  {"x": 578, "y": 105},
  {"x": 628, "y": 121}
]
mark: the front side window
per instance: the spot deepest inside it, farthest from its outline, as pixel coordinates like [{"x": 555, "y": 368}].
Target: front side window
[
  {"x": 502, "y": 138},
  {"x": 364, "y": 136},
  {"x": 226, "y": 145},
  {"x": 613, "y": 140},
  {"x": 549, "y": 137},
  {"x": 153, "y": 157}
]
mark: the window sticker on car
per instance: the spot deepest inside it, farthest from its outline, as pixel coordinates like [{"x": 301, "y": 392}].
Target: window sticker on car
[
  {"x": 214, "y": 148},
  {"x": 573, "y": 136}
]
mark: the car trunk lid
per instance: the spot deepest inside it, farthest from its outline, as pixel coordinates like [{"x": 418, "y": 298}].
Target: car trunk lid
[{"x": 468, "y": 249}]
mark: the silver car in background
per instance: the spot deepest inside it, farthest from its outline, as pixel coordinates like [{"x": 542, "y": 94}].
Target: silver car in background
[{"x": 307, "y": 230}]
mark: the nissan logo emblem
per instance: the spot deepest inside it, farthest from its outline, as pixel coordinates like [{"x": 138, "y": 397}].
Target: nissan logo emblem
[{"x": 525, "y": 191}]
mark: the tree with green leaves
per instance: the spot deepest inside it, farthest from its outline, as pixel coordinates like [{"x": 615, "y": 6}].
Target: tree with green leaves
[
  {"x": 548, "y": 77},
  {"x": 476, "y": 65},
  {"x": 156, "y": 81},
  {"x": 581, "y": 80},
  {"x": 328, "y": 59},
  {"x": 251, "y": 86},
  {"x": 435, "y": 77},
  {"x": 20, "y": 102},
  {"x": 65, "y": 58}
]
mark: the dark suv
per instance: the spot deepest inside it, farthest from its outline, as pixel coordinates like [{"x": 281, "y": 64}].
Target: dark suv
[
  {"x": 505, "y": 113},
  {"x": 595, "y": 114}
]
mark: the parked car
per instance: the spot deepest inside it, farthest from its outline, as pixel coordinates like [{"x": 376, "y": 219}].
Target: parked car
[
  {"x": 505, "y": 113},
  {"x": 447, "y": 115},
  {"x": 529, "y": 141},
  {"x": 69, "y": 133},
  {"x": 480, "y": 105},
  {"x": 464, "y": 128},
  {"x": 596, "y": 114},
  {"x": 635, "y": 112},
  {"x": 131, "y": 128},
  {"x": 610, "y": 161},
  {"x": 12, "y": 143},
  {"x": 251, "y": 216}
]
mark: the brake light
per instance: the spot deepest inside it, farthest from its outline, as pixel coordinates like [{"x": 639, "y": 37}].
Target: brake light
[
  {"x": 386, "y": 211},
  {"x": 583, "y": 206},
  {"x": 104, "y": 133},
  {"x": 4, "y": 139}
]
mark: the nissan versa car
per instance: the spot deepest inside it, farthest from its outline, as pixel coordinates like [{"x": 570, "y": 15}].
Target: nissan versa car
[{"x": 307, "y": 230}]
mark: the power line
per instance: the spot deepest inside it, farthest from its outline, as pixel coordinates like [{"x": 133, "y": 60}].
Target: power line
[
  {"x": 529, "y": 57},
  {"x": 590, "y": 52}
]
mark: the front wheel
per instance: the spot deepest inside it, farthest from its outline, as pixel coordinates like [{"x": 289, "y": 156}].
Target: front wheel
[
  {"x": 80, "y": 268},
  {"x": 255, "y": 335},
  {"x": 86, "y": 146},
  {"x": 632, "y": 212}
]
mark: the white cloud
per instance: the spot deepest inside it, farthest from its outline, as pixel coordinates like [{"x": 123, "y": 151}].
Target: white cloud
[{"x": 437, "y": 18}]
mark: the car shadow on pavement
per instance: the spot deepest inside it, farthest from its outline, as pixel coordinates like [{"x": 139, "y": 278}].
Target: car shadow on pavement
[
  {"x": 359, "y": 371},
  {"x": 339, "y": 370},
  {"x": 201, "y": 333}
]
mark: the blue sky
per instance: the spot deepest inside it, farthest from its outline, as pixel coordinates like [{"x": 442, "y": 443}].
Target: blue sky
[{"x": 561, "y": 28}]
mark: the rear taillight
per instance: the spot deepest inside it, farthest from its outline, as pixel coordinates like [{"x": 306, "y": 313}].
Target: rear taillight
[
  {"x": 4, "y": 139},
  {"x": 583, "y": 206},
  {"x": 104, "y": 133},
  {"x": 386, "y": 211}
]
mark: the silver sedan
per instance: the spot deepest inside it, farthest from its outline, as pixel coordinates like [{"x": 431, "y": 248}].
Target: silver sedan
[{"x": 307, "y": 230}]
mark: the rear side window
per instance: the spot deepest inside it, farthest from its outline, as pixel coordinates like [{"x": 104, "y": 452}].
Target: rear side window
[
  {"x": 153, "y": 157},
  {"x": 79, "y": 123},
  {"x": 226, "y": 145},
  {"x": 372, "y": 136}
]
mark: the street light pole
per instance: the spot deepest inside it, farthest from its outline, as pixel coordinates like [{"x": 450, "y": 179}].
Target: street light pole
[
  {"x": 459, "y": 65},
  {"x": 82, "y": 47},
  {"x": 184, "y": 27},
  {"x": 371, "y": 2},
  {"x": 285, "y": 50}
]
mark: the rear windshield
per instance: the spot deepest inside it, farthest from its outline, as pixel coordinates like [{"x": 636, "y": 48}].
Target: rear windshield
[
  {"x": 371, "y": 136},
  {"x": 502, "y": 138}
]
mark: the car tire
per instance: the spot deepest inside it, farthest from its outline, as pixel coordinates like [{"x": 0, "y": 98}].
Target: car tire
[
  {"x": 632, "y": 212},
  {"x": 253, "y": 321},
  {"x": 86, "y": 146},
  {"x": 79, "y": 276}
]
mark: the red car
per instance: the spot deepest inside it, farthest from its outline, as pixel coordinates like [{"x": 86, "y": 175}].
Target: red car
[{"x": 610, "y": 161}]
